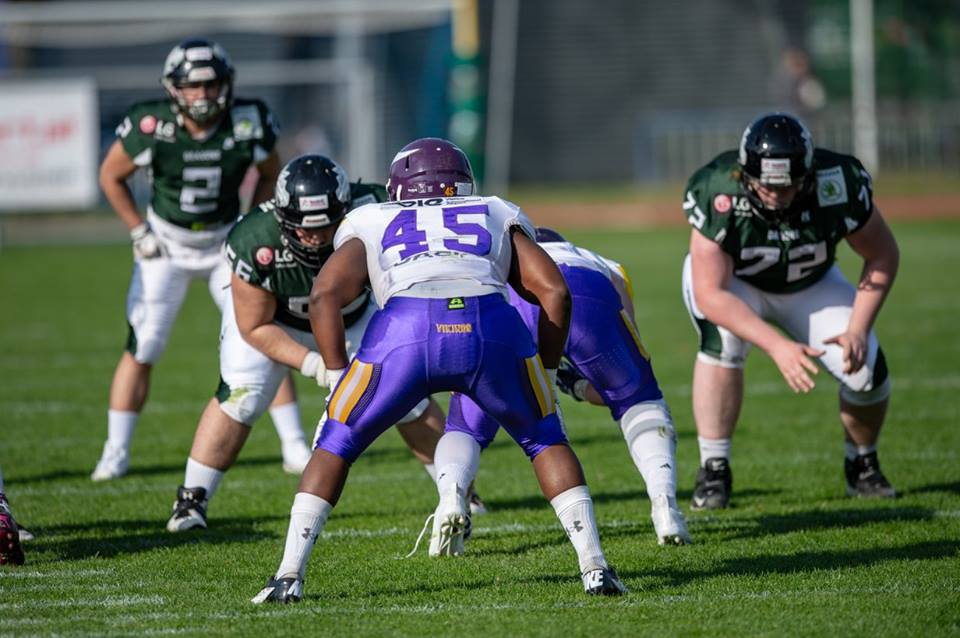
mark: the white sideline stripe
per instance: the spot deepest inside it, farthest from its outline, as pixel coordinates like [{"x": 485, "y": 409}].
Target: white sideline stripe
[
  {"x": 109, "y": 601},
  {"x": 321, "y": 608},
  {"x": 132, "y": 486},
  {"x": 60, "y": 573}
]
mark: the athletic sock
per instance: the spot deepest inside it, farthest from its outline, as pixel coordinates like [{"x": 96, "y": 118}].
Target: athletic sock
[
  {"x": 654, "y": 454},
  {"x": 120, "y": 427},
  {"x": 714, "y": 449},
  {"x": 574, "y": 508},
  {"x": 286, "y": 420},
  {"x": 307, "y": 518},
  {"x": 457, "y": 458},
  {"x": 851, "y": 450},
  {"x": 199, "y": 475}
]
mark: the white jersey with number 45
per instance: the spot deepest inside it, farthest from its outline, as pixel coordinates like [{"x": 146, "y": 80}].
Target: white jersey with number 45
[{"x": 436, "y": 247}]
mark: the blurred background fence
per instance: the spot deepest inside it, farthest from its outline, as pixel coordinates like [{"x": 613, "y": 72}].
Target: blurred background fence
[{"x": 539, "y": 92}]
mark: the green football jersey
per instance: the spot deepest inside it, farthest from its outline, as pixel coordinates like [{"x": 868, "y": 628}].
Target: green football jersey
[
  {"x": 780, "y": 257},
  {"x": 258, "y": 256},
  {"x": 196, "y": 183}
]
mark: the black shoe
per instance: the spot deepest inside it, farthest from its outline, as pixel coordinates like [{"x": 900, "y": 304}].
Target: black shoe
[
  {"x": 865, "y": 479},
  {"x": 11, "y": 552},
  {"x": 714, "y": 483},
  {"x": 567, "y": 377},
  {"x": 603, "y": 582},
  {"x": 190, "y": 510},
  {"x": 280, "y": 590}
]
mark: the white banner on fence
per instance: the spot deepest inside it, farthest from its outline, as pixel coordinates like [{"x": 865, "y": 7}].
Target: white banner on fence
[{"x": 49, "y": 132}]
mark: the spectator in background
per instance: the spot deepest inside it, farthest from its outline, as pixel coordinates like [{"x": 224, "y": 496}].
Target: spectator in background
[{"x": 795, "y": 88}]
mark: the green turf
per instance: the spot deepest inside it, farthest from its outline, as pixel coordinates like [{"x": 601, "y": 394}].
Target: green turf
[{"x": 793, "y": 557}]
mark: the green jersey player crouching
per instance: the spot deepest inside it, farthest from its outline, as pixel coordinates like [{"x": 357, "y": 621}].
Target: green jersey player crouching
[
  {"x": 197, "y": 145},
  {"x": 275, "y": 253},
  {"x": 766, "y": 220}
]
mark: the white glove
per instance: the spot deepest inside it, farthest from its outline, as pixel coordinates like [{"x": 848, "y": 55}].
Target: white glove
[
  {"x": 313, "y": 367},
  {"x": 333, "y": 377},
  {"x": 552, "y": 375},
  {"x": 146, "y": 244}
]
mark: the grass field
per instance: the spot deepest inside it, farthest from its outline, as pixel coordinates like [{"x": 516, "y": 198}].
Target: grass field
[{"x": 794, "y": 556}]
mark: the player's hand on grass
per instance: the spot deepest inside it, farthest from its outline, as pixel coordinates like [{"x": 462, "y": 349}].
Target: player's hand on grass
[
  {"x": 795, "y": 364},
  {"x": 854, "y": 346}
]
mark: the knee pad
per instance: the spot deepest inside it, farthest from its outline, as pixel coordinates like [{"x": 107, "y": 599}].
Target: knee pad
[
  {"x": 645, "y": 417},
  {"x": 723, "y": 362},
  {"x": 416, "y": 412},
  {"x": 148, "y": 350},
  {"x": 868, "y": 397},
  {"x": 242, "y": 404}
]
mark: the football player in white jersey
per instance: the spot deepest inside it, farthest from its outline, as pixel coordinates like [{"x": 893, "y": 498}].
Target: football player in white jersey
[
  {"x": 608, "y": 366},
  {"x": 439, "y": 261}
]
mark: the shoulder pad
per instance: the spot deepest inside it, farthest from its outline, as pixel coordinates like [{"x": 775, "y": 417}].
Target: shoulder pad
[{"x": 247, "y": 122}]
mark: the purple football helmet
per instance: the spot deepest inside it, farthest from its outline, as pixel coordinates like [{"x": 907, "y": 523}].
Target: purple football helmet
[
  {"x": 546, "y": 235},
  {"x": 430, "y": 167}
]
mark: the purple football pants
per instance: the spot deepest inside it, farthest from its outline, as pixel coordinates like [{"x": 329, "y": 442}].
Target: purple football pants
[
  {"x": 602, "y": 345},
  {"x": 475, "y": 346}
]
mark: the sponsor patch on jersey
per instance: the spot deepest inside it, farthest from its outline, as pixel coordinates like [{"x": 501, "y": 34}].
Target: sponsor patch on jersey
[
  {"x": 264, "y": 255},
  {"x": 831, "y": 187},
  {"x": 722, "y": 203},
  {"x": 314, "y": 202},
  {"x": 202, "y": 155},
  {"x": 456, "y": 303},
  {"x": 165, "y": 131},
  {"x": 315, "y": 221},
  {"x": 148, "y": 124}
]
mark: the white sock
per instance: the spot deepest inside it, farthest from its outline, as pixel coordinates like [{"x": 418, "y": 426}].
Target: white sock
[
  {"x": 307, "y": 518},
  {"x": 655, "y": 457},
  {"x": 652, "y": 442},
  {"x": 574, "y": 508},
  {"x": 431, "y": 469},
  {"x": 286, "y": 419},
  {"x": 456, "y": 458},
  {"x": 199, "y": 475},
  {"x": 850, "y": 449},
  {"x": 120, "y": 427},
  {"x": 714, "y": 448}
]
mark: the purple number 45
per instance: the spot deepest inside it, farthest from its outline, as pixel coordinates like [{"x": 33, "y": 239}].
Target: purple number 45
[{"x": 403, "y": 231}]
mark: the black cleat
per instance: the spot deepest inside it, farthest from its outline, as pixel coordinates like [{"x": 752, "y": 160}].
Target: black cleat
[
  {"x": 11, "y": 552},
  {"x": 714, "y": 483},
  {"x": 280, "y": 590},
  {"x": 864, "y": 478},
  {"x": 603, "y": 582},
  {"x": 190, "y": 509}
]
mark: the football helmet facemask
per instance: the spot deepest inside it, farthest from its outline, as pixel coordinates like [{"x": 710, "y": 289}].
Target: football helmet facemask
[
  {"x": 312, "y": 193},
  {"x": 193, "y": 62}
]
